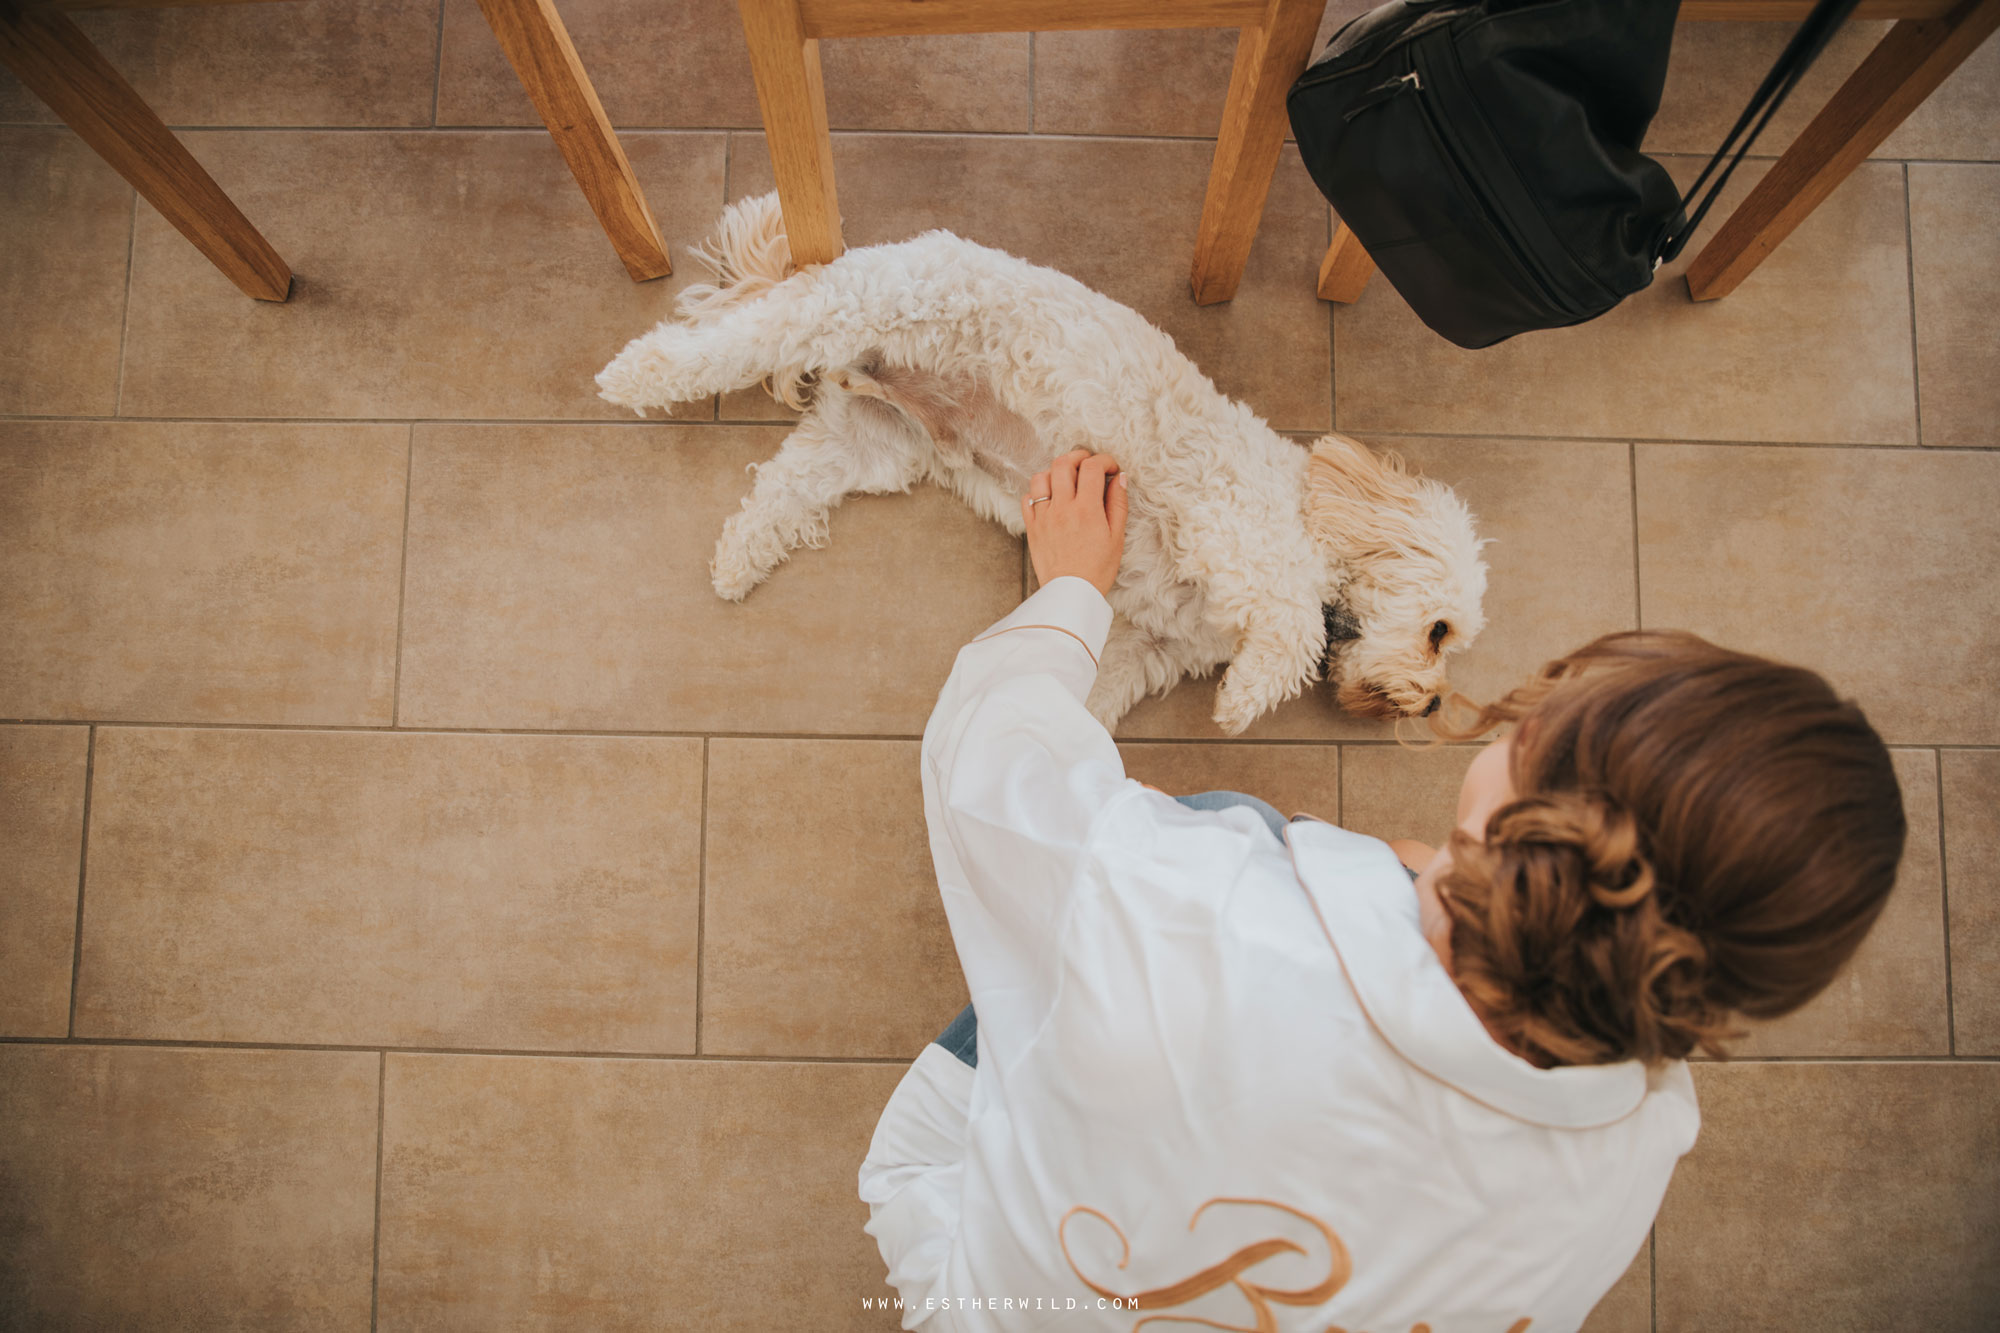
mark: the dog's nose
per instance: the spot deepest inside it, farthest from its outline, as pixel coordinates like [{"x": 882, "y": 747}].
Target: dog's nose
[{"x": 1432, "y": 706}]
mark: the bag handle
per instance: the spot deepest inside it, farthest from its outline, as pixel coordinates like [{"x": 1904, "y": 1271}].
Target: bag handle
[{"x": 1792, "y": 63}]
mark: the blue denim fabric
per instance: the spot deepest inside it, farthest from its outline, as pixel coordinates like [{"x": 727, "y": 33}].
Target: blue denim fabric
[
  {"x": 1222, "y": 800},
  {"x": 961, "y": 1038}
]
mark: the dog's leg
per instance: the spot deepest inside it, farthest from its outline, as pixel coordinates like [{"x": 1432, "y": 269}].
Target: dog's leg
[
  {"x": 1276, "y": 657},
  {"x": 681, "y": 363},
  {"x": 1132, "y": 667},
  {"x": 842, "y": 447}
]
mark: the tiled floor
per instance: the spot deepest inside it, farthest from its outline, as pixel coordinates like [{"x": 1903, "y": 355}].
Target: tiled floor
[{"x": 483, "y": 927}]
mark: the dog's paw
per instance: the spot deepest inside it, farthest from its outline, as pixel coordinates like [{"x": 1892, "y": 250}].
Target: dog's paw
[
  {"x": 733, "y": 575},
  {"x": 1233, "y": 712},
  {"x": 657, "y": 369}
]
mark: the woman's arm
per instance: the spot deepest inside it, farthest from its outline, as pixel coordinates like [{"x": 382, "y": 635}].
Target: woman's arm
[{"x": 1015, "y": 768}]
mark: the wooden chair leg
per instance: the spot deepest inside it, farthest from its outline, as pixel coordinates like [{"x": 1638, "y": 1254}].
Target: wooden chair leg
[
  {"x": 1268, "y": 57},
  {"x": 1345, "y": 271},
  {"x": 1902, "y": 70},
  {"x": 59, "y": 65},
  {"x": 785, "y": 63},
  {"x": 538, "y": 46}
]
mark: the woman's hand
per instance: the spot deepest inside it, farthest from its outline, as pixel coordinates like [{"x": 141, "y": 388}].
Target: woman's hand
[{"x": 1075, "y": 513}]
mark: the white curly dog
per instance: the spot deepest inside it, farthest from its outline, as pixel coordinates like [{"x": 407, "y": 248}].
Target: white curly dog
[{"x": 939, "y": 359}]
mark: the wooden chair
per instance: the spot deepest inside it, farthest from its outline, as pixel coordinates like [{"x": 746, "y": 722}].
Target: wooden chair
[
  {"x": 1931, "y": 39},
  {"x": 1276, "y": 42},
  {"x": 57, "y": 62}
]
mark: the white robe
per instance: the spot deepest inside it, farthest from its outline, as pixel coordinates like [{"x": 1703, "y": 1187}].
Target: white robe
[{"x": 1223, "y": 1076}]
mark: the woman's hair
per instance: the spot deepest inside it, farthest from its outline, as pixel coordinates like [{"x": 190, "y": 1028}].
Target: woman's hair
[{"x": 1696, "y": 834}]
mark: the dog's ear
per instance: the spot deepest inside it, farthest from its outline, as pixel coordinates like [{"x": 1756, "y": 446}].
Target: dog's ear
[{"x": 1358, "y": 501}]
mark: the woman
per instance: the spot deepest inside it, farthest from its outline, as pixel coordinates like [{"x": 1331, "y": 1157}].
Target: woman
[{"x": 1243, "y": 1073}]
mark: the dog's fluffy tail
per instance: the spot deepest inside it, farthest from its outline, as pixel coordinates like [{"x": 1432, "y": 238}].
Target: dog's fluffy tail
[{"x": 748, "y": 256}]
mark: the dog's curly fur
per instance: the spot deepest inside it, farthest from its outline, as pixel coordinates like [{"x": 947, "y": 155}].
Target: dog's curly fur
[{"x": 944, "y": 360}]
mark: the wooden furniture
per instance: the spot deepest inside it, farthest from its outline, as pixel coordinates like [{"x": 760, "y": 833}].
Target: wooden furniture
[
  {"x": 54, "y": 60},
  {"x": 1275, "y": 43},
  {"x": 1930, "y": 40}
]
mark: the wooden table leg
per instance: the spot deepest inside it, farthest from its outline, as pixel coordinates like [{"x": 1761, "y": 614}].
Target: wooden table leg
[
  {"x": 59, "y": 65},
  {"x": 1346, "y": 269},
  {"x": 1902, "y": 70},
  {"x": 785, "y": 63},
  {"x": 538, "y": 46},
  {"x": 1268, "y": 57}
]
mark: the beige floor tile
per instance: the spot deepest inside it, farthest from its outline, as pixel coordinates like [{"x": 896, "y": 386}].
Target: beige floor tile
[
  {"x": 1716, "y": 66},
  {"x": 320, "y": 62},
  {"x": 1118, "y": 215},
  {"x": 41, "y": 839},
  {"x": 1559, "y": 518},
  {"x": 685, "y": 65},
  {"x": 1393, "y": 791},
  {"x": 1628, "y": 1306},
  {"x": 1890, "y": 1000},
  {"x": 186, "y": 1189},
  {"x": 1297, "y": 779},
  {"x": 558, "y": 577},
  {"x": 1860, "y": 563},
  {"x": 1961, "y": 120},
  {"x": 437, "y": 275},
  {"x": 1836, "y": 1196},
  {"x": 1166, "y": 81},
  {"x": 1972, "y": 867},
  {"x": 1814, "y": 346},
  {"x": 1560, "y": 570},
  {"x": 1955, "y": 262},
  {"x": 1145, "y": 81},
  {"x": 67, "y": 219},
  {"x": 822, "y": 929},
  {"x": 179, "y": 572},
  {"x": 627, "y": 1194},
  {"x": 510, "y": 892}
]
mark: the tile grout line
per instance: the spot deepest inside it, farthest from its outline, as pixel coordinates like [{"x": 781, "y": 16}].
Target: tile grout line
[
  {"x": 403, "y": 580},
  {"x": 511, "y": 1053},
  {"x": 715, "y": 1057},
  {"x": 1332, "y": 357},
  {"x": 1303, "y": 434},
  {"x": 832, "y": 736},
  {"x": 1340, "y": 786},
  {"x": 701, "y": 898},
  {"x": 1653, "y": 1276},
  {"x": 437, "y": 66},
  {"x": 1692, "y": 154},
  {"x": 375, "y": 1261},
  {"x": 125, "y": 315},
  {"x": 82, "y": 869},
  {"x": 1910, "y": 267},
  {"x": 689, "y": 735},
  {"x": 1031, "y": 83},
  {"x": 1944, "y": 905},
  {"x": 1632, "y": 488}
]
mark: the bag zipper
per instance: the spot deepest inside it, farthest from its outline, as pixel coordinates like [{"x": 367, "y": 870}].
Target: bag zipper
[
  {"x": 1382, "y": 92},
  {"x": 1504, "y": 231},
  {"x": 1326, "y": 72}
]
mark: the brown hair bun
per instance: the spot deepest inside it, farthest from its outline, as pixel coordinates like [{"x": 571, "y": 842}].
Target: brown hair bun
[{"x": 1697, "y": 834}]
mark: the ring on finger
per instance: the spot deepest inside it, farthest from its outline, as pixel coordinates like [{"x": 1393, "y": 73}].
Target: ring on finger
[{"x": 1034, "y": 500}]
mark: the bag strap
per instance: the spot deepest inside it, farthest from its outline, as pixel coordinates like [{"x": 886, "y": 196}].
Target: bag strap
[{"x": 1792, "y": 63}]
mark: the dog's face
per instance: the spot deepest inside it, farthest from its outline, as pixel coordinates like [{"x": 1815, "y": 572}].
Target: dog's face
[{"x": 1405, "y": 579}]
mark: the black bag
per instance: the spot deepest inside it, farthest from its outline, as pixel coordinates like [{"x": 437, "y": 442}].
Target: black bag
[{"x": 1487, "y": 154}]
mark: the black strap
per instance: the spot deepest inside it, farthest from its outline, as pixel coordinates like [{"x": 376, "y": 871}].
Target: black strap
[{"x": 1792, "y": 63}]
